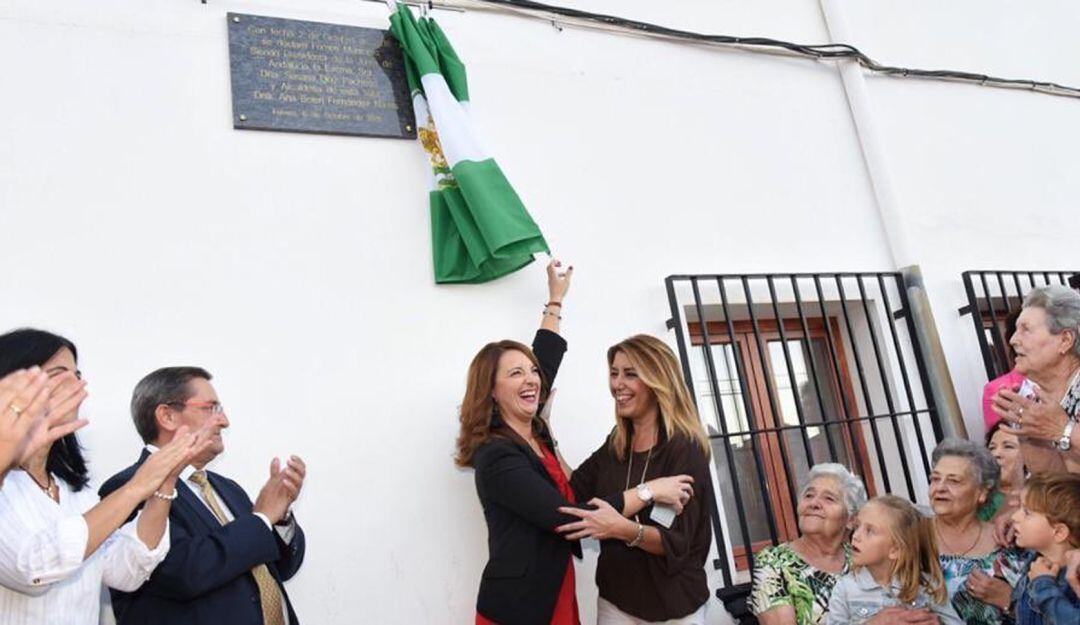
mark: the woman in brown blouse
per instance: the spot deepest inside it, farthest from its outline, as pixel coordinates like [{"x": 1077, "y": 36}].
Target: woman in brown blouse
[{"x": 647, "y": 572}]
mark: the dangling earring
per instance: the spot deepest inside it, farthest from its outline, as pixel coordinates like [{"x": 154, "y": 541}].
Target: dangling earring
[{"x": 495, "y": 410}]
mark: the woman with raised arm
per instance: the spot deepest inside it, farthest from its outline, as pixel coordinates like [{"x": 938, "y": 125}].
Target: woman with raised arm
[
  {"x": 529, "y": 576},
  {"x": 58, "y": 544}
]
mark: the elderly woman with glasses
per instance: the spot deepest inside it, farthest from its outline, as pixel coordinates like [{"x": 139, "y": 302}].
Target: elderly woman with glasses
[
  {"x": 979, "y": 573},
  {"x": 1045, "y": 410},
  {"x": 793, "y": 581}
]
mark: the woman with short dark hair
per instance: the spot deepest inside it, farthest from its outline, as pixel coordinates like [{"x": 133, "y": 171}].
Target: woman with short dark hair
[{"x": 58, "y": 544}]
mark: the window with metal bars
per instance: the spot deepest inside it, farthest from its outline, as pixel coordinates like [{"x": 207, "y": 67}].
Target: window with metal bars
[
  {"x": 992, "y": 297},
  {"x": 791, "y": 370}
]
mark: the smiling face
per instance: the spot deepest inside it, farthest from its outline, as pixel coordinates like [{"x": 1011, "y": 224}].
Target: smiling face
[
  {"x": 633, "y": 398},
  {"x": 1005, "y": 448},
  {"x": 1037, "y": 349},
  {"x": 822, "y": 510},
  {"x": 954, "y": 492},
  {"x": 872, "y": 543},
  {"x": 517, "y": 385}
]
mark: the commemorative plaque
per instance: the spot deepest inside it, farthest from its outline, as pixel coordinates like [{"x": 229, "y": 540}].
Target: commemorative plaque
[{"x": 301, "y": 76}]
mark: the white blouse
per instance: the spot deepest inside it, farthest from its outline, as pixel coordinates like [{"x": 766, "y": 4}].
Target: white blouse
[{"x": 44, "y": 579}]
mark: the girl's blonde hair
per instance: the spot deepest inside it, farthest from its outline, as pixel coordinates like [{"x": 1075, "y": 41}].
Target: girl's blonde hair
[
  {"x": 658, "y": 368},
  {"x": 918, "y": 565}
]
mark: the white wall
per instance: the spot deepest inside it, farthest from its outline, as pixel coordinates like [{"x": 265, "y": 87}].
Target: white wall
[{"x": 296, "y": 267}]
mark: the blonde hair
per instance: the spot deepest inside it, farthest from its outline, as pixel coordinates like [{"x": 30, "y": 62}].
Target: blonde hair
[
  {"x": 913, "y": 534},
  {"x": 658, "y": 368}
]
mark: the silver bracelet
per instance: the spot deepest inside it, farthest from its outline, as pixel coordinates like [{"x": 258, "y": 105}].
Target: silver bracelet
[
  {"x": 637, "y": 539},
  {"x": 166, "y": 497},
  {"x": 551, "y": 314}
]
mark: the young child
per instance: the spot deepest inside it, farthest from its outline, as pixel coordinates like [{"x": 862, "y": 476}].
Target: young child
[
  {"x": 895, "y": 566},
  {"x": 1048, "y": 523}
]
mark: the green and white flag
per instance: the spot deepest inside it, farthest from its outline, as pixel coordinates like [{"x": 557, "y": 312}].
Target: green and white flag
[{"x": 479, "y": 227}]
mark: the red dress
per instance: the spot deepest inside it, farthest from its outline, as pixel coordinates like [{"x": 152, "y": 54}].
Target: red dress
[{"x": 566, "y": 608}]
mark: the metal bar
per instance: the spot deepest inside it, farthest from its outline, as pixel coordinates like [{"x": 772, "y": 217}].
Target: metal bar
[
  {"x": 976, "y": 318},
  {"x": 909, "y": 393},
  {"x": 889, "y": 404},
  {"x": 995, "y": 330},
  {"x": 862, "y": 383},
  {"x": 1019, "y": 291},
  {"x": 740, "y": 370},
  {"x": 773, "y": 406},
  {"x": 813, "y": 367},
  {"x": 783, "y": 428},
  {"x": 854, "y": 434},
  {"x": 791, "y": 376},
  {"x": 733, "y": 473}
]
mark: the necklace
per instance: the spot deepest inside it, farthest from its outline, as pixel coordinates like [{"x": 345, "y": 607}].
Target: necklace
[
  {"x": 945, "y": 543},
  {"x": 49, "y": 486},
  {"x": 630, "y": 465}
]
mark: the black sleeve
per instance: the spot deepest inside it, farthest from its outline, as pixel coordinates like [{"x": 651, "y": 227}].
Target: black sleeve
[
  {"x": 585, "y": 478},
  {"x": 682, "y": 538},
  {"x": 549, "y": 348},
  {"x": 506, "y": 477}
]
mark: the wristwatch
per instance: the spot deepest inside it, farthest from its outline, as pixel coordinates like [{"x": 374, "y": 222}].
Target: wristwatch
[
  {"x": 1065, "y": 442},
  {"x": 645, "y": 494}
]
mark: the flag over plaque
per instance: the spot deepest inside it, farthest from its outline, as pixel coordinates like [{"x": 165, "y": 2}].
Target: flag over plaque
[{"x": 480, "y": 228}]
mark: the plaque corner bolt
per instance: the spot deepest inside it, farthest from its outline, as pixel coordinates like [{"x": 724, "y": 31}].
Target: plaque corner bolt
[
  {"x": 408, "y": 128},
  {"x": 243, "y": 118},
  {"x": 236, "y": 19}
]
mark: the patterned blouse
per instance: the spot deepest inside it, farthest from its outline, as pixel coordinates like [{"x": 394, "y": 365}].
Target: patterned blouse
[
  {"x": 782, "y": 577},
  {"x": 957, "y": 569}
]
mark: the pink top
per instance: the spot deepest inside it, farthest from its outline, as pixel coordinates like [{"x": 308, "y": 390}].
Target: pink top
[{"x": 1011, "y": 380}]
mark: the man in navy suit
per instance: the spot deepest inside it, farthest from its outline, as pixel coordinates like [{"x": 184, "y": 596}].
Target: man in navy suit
[{"x": 229, "y": 557}]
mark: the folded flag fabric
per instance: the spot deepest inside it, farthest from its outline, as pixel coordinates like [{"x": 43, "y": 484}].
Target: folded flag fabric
[{"x": 480, "y": 229}]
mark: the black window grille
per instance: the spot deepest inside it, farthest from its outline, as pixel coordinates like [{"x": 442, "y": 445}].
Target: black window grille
[
  {"x": 992, "y": 297},
  {"x": 790, "y": 370}
]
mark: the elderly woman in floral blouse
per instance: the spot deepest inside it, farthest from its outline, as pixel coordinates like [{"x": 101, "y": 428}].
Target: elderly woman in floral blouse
[{"x": 793, "y": 581}]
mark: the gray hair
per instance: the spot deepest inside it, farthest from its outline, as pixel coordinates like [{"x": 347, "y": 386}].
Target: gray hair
[
  {"x": 168, "y": 386},
  {"x": 850, "y": 484},
  {"x": 1062, "y": 307},
  {"x": 986, "y": 470}
]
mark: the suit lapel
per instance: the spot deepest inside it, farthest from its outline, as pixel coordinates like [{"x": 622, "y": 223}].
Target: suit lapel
[{"x": 194, "y": 506}]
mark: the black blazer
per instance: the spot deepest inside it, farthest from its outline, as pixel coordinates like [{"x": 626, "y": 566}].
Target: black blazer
[
  {"x": 206, "y": 577},
  {"x": 527, "y": 559}
]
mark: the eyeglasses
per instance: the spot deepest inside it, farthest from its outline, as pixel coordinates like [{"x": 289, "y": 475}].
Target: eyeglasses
[{"x": 212, "y": 407}]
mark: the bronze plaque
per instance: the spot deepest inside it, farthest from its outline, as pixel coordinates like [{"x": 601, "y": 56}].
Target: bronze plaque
[{"x": 301, "y": 76}]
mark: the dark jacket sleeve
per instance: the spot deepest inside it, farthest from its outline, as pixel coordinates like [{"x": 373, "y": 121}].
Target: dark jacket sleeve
[
  {"x": 585, "y": 478},
  {"x": 292, "y": 554},
  {"x": 505, "y": 477},
  {"x": 549, "y": 349},
  {"x": 198, "y": 564},
  {"x": 681, "y": 540}
]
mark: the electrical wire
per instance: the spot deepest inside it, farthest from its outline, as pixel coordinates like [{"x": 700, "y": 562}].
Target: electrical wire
[{"x": 559, "y": 16}]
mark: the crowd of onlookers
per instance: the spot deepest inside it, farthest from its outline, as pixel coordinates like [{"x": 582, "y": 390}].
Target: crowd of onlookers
[{"x": 999, "y": 542}]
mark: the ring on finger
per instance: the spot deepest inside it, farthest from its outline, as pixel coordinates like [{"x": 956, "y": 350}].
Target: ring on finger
[{"x": 17, "y": 410}]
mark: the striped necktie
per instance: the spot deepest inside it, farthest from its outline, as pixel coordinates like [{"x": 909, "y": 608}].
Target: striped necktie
[{"x": 269, "y": 593}]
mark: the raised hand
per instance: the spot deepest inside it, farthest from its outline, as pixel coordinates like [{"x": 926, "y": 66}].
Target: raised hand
[
  {"x": 558, "y": 280},
  {"x": 164, "y": 464},
  {"x": 66, "y": 392},
  {"x": 23, "y": 404},
  {"x": 282, "y": 489},
  {"x": 674, "y": 491}
]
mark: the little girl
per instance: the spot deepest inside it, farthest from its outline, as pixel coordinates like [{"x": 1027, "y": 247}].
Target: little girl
[{"x": 895, "y": 565}]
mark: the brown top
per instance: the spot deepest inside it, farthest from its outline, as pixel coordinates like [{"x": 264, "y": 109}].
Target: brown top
[{"x": 647, "y": 586}]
